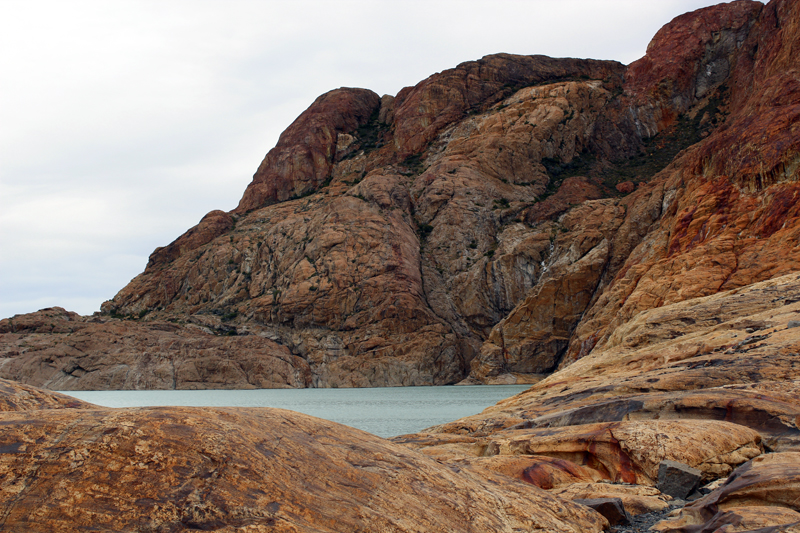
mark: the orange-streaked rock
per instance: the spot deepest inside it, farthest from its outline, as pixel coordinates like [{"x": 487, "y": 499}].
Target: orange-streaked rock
[
  {"x": 731, "y": 356},
  {"x": 739, "y": 519},
  {"x": 542, "y": 471},
  {"x": 631, "y": 451},
  {"x": 160, "y": 469}
]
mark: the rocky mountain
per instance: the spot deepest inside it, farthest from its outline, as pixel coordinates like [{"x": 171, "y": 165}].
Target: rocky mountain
[
  {"x": 630, "y": 232},
  {"x": 691, "y": 412},
  {"x": 493, "y": 223}
]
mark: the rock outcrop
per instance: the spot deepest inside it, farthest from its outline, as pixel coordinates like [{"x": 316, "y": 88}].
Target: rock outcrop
[
  {"x": 765, "y": 492},
  {"x": 19, "y": 397},
  {"x": 495, "y": 222},
  {"x": 709, "y": 383},
  {"x": 245, "y": 469},
  {"x": 60, "y": 350},
  {"x": 627, "y": 238}
]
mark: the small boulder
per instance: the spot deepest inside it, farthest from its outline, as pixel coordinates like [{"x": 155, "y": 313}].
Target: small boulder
[
  {"x": 611, "y": 508},
  {"x": 626, "y": 187},
  {"x": 677, "y": 479},
  {"x": 637, "y": 499}
]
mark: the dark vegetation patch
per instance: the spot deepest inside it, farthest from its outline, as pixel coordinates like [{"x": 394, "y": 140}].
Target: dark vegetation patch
[
  {"x": 657, "y": 152},
  {"x": 414, "y": 164},
  {"x": 423, "y": 230},
  {"x": 304, "y": 194},
  {"x": 558, "y": 171},
  {"x": 370, "y": 136}
]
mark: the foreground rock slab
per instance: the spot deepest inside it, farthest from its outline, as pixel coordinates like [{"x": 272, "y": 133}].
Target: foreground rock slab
[{"x": 175, "y": 469}]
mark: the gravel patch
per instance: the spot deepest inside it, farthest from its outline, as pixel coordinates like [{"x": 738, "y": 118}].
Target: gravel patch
[{"x": 643, "y": 522}]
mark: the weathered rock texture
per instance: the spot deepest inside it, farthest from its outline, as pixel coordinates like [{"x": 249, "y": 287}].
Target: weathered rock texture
[
  {"x": 712, "y": 383},
  {"x": 18, "y": 397},
  {"x": 176, "y": 469},
  {"x": 763, "y": 492},
  {"x": 627, "y": 236},
  {"x": 637, "y": 499},
  {"x": 60, "y": 350},
  {"x": 498, "y": 220}
]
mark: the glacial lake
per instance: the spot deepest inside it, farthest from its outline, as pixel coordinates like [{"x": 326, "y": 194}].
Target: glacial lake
[{"x": 385, "y": 412}]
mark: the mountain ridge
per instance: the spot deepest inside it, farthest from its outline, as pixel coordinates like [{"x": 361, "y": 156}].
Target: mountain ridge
[{"x": 493, "y": 223}]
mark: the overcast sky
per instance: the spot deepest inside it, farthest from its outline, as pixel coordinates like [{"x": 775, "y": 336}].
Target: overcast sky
[{"x": 123, "y": 122}]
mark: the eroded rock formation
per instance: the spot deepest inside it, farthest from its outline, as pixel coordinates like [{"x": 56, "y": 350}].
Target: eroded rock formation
[
  {"x": 625, "y": 237},
  {"x": 710, "y": 383},
  {"x": 60, "y": 350},
  {"x": 495, "y": 222}
]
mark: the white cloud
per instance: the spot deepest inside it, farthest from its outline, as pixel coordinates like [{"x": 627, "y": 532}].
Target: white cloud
[{"x": 124, "y": 122}]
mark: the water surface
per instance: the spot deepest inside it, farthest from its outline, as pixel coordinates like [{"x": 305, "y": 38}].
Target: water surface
[{"x": 386, "y": 412}]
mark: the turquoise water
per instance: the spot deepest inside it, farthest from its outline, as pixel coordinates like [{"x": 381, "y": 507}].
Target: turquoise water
[{"x": 385, "y": 412}]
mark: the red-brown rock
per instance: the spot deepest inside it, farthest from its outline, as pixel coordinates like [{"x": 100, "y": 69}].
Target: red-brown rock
[
  {"x": 61, "y": 350},
  {"x": 303, "y": 158},
  {"x": 626, "y": 187},
  {"x": 472, "y": 224}
]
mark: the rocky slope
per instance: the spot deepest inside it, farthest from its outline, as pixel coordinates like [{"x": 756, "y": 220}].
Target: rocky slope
[
  {"x": 626, "y": 237},
  {"x": 495, "y": 222},
  {"x": 712, "y": 383}
]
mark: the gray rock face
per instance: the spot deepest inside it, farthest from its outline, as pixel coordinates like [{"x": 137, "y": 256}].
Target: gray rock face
[
  {"x": 677, "y": 479},
  {"x": 611, "y": 508}
]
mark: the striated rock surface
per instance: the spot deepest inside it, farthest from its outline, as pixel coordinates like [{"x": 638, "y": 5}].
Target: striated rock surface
[
  {"x": 732, "y": 356},
  {"x": 18, "y": 397},
  {"x": 245, "y": 469},
  {"x": 637, "y": 499},
  {"x": 631, "y": 451},
  {"x": 729, "y": 215}
]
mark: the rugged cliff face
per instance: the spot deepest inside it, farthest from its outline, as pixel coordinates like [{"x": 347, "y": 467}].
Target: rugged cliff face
[{"x": 494, "y": 222}]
